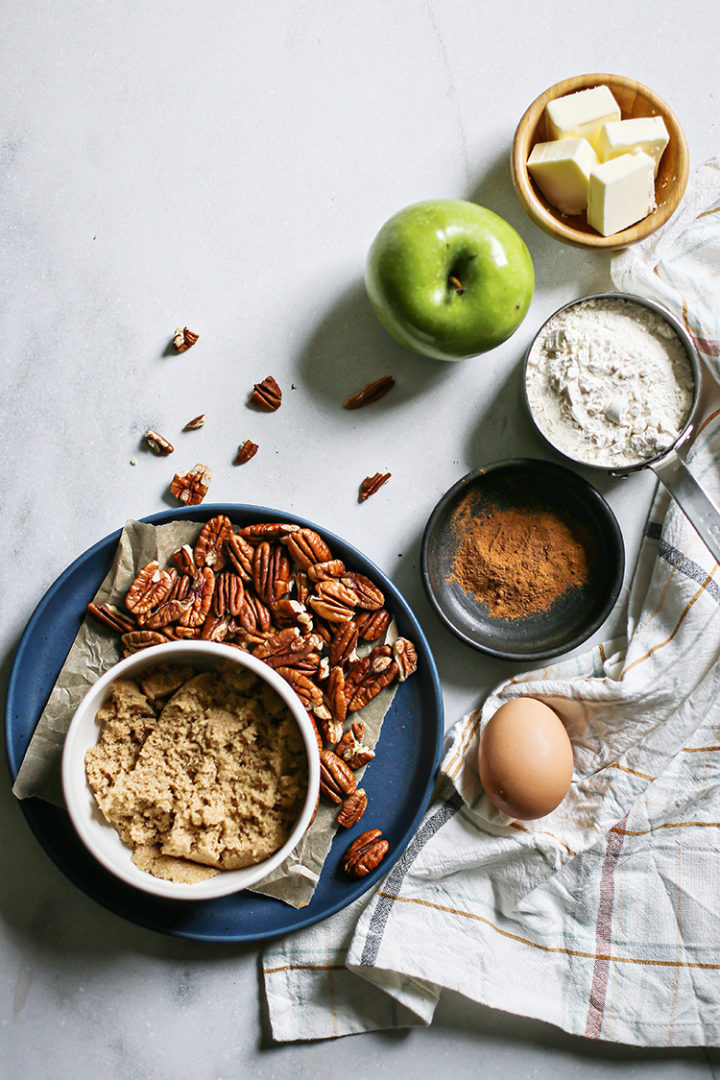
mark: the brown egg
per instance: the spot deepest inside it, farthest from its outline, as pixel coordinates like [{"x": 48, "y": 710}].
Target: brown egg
[{"x": 526, "y": 759}]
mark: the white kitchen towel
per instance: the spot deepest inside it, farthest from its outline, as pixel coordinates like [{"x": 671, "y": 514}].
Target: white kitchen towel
[{"x": 602, "y": 917}]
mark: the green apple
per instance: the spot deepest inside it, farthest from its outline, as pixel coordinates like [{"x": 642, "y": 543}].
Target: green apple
[{"x": 449, "y": 278}]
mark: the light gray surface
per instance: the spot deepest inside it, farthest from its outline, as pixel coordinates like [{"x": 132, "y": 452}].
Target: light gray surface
[{"x": 226, "y": 166}]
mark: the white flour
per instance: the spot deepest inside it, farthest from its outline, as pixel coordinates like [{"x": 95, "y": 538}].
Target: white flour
[{"x": 609, "y": 382}]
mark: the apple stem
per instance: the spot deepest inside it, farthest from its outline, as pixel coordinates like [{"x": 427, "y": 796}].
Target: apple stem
[{"x": 459, "y": 287}]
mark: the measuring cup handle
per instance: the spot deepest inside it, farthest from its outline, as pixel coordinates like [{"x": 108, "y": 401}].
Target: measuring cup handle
[{"x": 698, "y": 507}]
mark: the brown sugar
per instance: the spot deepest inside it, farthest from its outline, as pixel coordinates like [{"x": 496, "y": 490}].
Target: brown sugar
[
  {"x": 211, "y": 779},
  {"x": 517, "y": 561}
]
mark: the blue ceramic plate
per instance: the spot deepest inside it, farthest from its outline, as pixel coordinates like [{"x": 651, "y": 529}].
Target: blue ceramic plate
[{"x": 398, "y": 782}]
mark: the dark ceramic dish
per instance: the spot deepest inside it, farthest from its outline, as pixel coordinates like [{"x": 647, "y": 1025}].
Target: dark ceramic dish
[{"x": 578, "y": 612}]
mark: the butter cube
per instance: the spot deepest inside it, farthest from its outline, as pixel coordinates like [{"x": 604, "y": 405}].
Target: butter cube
[
  {"x": 621, "y": 192},
  {"x": 581, "y": 115},
  {"x": 561, "y": 169},
  {"x": 646, "y": 133}
]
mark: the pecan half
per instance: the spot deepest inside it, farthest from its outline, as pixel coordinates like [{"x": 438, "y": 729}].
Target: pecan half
[
  {"x": 150, "y": 588},
  {"x": 309, "y": 693},
  {"x": 184, "y": 339},
  {"x": 318, "y": 736},
  {"x": 286, "y": 648},
  {"x": 405, "y": 655},
  {"x": 245, "y": 639},
  {"x": 196, "y": 422},
  {"x": 264, "y": 618},
  {"x": 369, "y": 676},
  {"x": 307, "y": 547},
  {"x": 266, "y": 395},
  {"x": 200, "y": 598},
  {"x": 370, "y": 393},
  {"x": 351, "y": 747},
  {"x": 322, "y": 633},
  {"x": 183, "y": 559},
  {"x": 254, "y": 615},
  {"x": 365, "y": 853},
  {"x": 209, "y": 547},
  {"x": 190, "y": 488},
  {"x": 215, "y": 627},
  {"x": 369, "y": 597},
  {"x": 373, "y": 625},
  {"x": 331, "y": 729},
  {"x": 271, "y": 572},
  {"x": 158, "y": 443},
  {"x": 352, "y": 809},
  {"x": 302, "y": 587},
  {"x": 336, "y": 779},
  {"x": 240, "y": 553},
  {"x": 246, "y": 450},
  {"x": 323, "y": 571},
  {"x": 181, "y": 588},
  {"x": 111, "y": 616},
  {"x": 169, "y": 612},
  {"x": 333, "y": 601},
  {"x": 288, "y": 612},
  {"x": 229, "y": 594},
  {"x": 136, "y": 640},
  {"x": 310, "y": 665},
  {"x": 335, "y": 696},
  {"x": 267, "y": 530},
  {"x": 371, "y": 484},
  {"x": 175, "y": 632},
  {"x": 344, "y": 641}
]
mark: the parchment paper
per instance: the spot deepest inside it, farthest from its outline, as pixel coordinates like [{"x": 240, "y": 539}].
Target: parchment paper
[{"x": 95, "y": 650}]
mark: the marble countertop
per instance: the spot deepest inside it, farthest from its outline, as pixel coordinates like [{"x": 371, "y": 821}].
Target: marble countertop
[{"x": 226, "y": 167}]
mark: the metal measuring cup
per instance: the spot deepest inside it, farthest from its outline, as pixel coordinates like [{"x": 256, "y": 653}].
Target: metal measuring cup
[{"x": 667, "y": 465}]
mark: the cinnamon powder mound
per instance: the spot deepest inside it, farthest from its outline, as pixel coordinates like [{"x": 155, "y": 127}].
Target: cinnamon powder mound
[{"x": 517, "y": 561}]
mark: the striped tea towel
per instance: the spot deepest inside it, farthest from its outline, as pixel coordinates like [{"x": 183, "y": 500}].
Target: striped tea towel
[{"x": 602, "y": 917}]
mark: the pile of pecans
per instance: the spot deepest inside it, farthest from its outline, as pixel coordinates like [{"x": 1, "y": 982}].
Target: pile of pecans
[{"x": 276, "y": 590}]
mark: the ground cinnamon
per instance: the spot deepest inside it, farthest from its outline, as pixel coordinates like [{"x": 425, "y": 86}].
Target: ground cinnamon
[{"x": 517, "y": 560}]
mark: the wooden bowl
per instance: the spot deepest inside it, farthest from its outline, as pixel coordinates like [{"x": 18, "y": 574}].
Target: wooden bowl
[{"x": 634, "y": 100}]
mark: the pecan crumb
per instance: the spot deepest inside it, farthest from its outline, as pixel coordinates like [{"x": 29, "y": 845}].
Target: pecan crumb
[
  {"x": 190, "y": 488},
  {"x": 158, "y": 443},
  {"x": 196, "y": 422},
  {"x": 266, "y": 395},
  {"x": 372, "y": 483},
  {"x": 184, "y": 338},
  {"x": 370, "y": 393},
  {"x": 246, "y": 450}
]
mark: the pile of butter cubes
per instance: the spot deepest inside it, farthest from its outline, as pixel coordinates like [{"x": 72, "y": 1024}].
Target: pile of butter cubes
[{"x": 596, "y": 163}]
